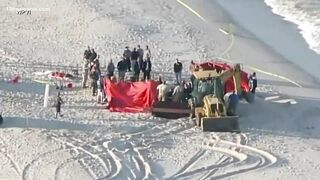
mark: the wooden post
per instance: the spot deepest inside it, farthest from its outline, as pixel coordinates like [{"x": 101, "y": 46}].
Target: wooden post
[{"x": 46, "y": 95}]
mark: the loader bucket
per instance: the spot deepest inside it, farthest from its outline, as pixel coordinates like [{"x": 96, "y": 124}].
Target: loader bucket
[
  {"x": 220, "y": 124},
  {"x": 171, "y": 110}
]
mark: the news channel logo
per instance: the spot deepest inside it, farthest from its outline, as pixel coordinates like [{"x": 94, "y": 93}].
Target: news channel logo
[{"x": 26, "y": 11}]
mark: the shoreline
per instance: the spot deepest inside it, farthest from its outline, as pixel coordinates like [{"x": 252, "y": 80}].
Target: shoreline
[
  {"x": 304, "y": 18},
  {"x": 290, "y": 37},
  {"x": 247, "y": 49}
]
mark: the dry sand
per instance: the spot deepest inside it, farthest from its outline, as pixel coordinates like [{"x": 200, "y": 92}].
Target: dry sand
[{"x": 279, "y": 131}]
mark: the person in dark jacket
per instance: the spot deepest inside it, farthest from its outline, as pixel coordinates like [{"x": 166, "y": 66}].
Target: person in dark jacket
[
  {"x": 253, "y": 82},
  {"x": 94, "y": 79},
  {"x": 140, "y": 59},
  {"x": 93, "y": 55},
  {"x": 187, "y": 89},
  {"x": 97, "y": 64},
  {"x": 134, "y": 57},
  {"x": 58, "y": 105},
  {"x": 87, "y": 53},
  {"x": 177, "y": 68},
  {"x": 110, "y": 69},
  {"x": 146, "y": 69},
  {"x": 136, "y": 69},
  {"x": 1, "y": 118},
  {"x": 127, "y": 56},
  {"x": 121, "y": 66},
  {"x": 85, "y": 67},
  {"x": 233, "y": 101}
]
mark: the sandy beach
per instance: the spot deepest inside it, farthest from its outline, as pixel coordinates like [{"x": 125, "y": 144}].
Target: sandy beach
[{"x": 279, "y": 131}]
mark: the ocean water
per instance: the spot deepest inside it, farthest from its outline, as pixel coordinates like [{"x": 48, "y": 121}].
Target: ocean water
[{"x": 304, "y": 13}]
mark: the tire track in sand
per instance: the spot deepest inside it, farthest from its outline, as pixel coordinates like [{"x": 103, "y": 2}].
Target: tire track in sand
[
  {"x": 94, "y": 156},
  {"x": 233, "y": 153},
  {"x": 27, "y": 170},
  {"x": 140, "y": 168},
  {"x": 115, "y": 161},
  {"x": 265, "y": 159},
  {"x": 229, "y": 157},
  {"x": 15, "y": 166},
  {"x": 194, "y": 159}
]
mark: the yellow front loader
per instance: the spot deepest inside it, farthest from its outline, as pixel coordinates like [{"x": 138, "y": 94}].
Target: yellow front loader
[
  {"x": 212, "y": 116},
  {"x": 210, "y": 105}
]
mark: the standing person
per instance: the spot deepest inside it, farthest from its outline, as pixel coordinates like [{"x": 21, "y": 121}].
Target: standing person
[
  {"x": 127, "y": 56},
  {"x": 146, "y": 69},
  {"x": 140, "y": 59},
  {"x": 85, "y": 72},
  {"x": 100, "y": 94},
  {"x": 92, "y": 67},
  {"x": 121, "y": 66},
  {"x": 160, "y": 79},
  {"x": 87, "y": 53},
  {"x": 163, "y": 90},
  {"x": 93, "y": 55},
  {"x": 177, "y": 68},
  {"x": 233, "y": 101},
  {"x": 187, "y": 90},
  {"x": 1, "y": 118},
  {"x": 253, "y": 82},
  {"x": 110, "y": 69},
  {"x": 136, "y": 70},
  {"x": 191, "y": 67},
  {"x": 147, "y": 53},
  {"x": 178, "y": 92},
  {"x": 134, "y": 57},
  {"x": 94, "y": 77},
  {"x": 97, "y": 64},
  {"x": 58, "y": 105},
  {"x": 85, "y": 66}
]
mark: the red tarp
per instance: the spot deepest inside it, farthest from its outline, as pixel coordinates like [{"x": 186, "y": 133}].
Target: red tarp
[
  {"x": 229, "y": 85},
  {"x": 131, "y": 96}
]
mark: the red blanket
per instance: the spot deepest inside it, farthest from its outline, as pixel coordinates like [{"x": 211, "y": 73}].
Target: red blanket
[{"x": 131, "y": 96}]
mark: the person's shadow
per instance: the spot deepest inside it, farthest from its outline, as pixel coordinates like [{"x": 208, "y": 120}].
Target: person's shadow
[{"x": 19, "y": 122}]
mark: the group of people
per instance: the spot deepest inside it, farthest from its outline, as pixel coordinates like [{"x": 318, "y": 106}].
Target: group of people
[
  {"x": 91, "y": 70},
  {"x": 134, "y": 62},
  {"x": 177, "y": 93},
  {"x": 182, "y": 90}
]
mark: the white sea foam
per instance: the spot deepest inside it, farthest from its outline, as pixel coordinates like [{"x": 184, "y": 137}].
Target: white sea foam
[{"x": 304, "y": 13}]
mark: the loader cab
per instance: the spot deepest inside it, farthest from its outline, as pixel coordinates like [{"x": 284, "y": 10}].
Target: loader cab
[{"x": 203, "y": 84}]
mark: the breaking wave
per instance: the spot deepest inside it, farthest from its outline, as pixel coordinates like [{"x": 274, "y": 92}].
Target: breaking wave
[{"x": 304, "y": 13}]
